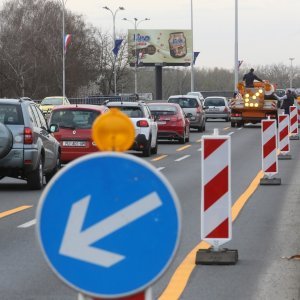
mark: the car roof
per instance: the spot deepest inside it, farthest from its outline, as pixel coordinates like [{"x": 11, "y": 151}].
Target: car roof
[
  {"x": 80, "y": 107},
  {"x": 164, "y": 103},
  {"x": 59, "y": 97},
  {"x": 222, "y": 97},
  {"x": 14, "y": 101},
  {"x": 124, "y": 103},
  {"x": 184, "y": 96}
]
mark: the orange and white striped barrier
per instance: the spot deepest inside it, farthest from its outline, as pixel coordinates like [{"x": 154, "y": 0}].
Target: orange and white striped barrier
[
  {"x": 269, "y": 152},
  {"x": 294, "y": 123},
  {"x": 283, "y": 136}
]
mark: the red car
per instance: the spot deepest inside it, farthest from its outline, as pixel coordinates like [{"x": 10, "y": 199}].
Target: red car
[
  {"x": 172, "y": 122},
  {"x": 74, "y": 132}
]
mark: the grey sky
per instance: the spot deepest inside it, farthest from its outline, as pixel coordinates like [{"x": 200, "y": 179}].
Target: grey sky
[{"x": 269, "y": 31}]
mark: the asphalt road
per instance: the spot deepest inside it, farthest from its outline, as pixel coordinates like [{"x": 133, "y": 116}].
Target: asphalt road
[{"x": 266, "y": 230}]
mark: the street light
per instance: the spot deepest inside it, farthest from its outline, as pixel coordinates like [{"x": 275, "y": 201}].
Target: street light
[
  {"x": 236, "y": 63},
  {"x": 291, "y": 72},
  {"x": 63, "y": 2},
  {"x": 113, "y": 13},
  {"x": 135, "y": 22},
  {"x": 192, "y": 63}
]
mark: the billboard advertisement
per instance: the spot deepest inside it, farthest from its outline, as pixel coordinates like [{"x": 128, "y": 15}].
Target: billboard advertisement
[{"x": 168, "y": 47}]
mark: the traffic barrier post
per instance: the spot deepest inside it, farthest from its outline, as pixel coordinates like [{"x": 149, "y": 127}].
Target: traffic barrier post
[
  {"x": 283, "y": 137},
  {"x": 216, "y": 223},
  {"x": 269, "y": 152},
  {"x": 294, "y": 123}
]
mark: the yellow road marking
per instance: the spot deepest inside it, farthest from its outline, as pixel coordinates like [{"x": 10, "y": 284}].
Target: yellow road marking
[
  {"x": 183, "y": 148},
  {"x": 199, "y": 141},
  {"x": 159, "y": 158},
  {"x": 182, "y": 274},
  {"x": 226, "y": 128},
  {"x": 14, "y": 210}
]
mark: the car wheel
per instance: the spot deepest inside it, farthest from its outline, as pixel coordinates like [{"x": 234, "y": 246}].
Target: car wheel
[
  {"x": 54, "y": 171},
  {"x": 154, "y": 150},
  {"x": 35, "y": 179},
  {"x": 182, "y": 139},
  {"x": 232, "y": 124},
  {"x": 6, "y": 140},
  {"x": 147, "y": 150},
  {"x": 200, "y": 129},
  {"x": 203, "y": 127},
  {"x": 227, "y": 120}
]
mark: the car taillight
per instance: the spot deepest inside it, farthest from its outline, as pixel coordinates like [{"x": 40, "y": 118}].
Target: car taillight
[
  {"x": 28, "y": 136},
  {"x": 142, "y": 123},
  {"x": 174, "y": 119},
  {"x": 236, "y": 115},
  {"x": 225, "y": 109}
]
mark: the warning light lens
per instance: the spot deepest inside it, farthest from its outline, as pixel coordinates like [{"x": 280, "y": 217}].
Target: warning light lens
[
  {"x": 247, "y": 104},
  {"x": 253, "y": 97},
  {"x": 256, "y": 104},
  {"x": 257, "y": 94},
  {"x": 247, "y": 95},
  {"x": 251, "y": 104},
  {"x": 247, "y": 100},
  {"x": 260, "y": 91}
]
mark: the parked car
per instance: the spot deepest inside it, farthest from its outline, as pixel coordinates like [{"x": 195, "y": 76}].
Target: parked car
[
  {"x": 198, "y": 94},
  {"x": 71, "y": 125},
  {"x": 217, "y": 107},
  {"x": 27, "y": 149},
  {"x": 145, "y": 126},
  {"x": 49, "y": 103},
  {"x": 172, "y": 121},
  {"x": 193, "y": 108}
]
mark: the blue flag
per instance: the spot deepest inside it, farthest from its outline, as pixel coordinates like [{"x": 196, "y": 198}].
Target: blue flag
[
  {"x": 195, "y": 57},
  {"x": 118, "y": 43}
]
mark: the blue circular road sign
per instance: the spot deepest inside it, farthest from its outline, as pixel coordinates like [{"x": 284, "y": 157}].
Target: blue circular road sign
[{"x": 109, "y": 224}]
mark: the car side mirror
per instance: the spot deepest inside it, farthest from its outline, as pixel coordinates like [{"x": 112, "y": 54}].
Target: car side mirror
[
  {"x": 54, "y": 128},
  {"x": 205, "y": 107}
]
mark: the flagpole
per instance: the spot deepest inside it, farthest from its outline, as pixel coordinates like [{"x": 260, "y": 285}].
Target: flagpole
[
  {"x": 236, "y": 67},
  {"x": 192, "y": 63}
]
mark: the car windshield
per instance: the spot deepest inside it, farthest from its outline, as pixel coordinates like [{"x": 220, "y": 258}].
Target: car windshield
[
  {"x": 185, "y": 102},
  {"x": 74, "y": 119},
  {"x": 11, "y": 114},
  {"x": 52, "y": 101},
  {"x": 214, "y": 102},
  {"x": 280, "y": 93},
  {"x": 130, "y": 111},
  {"x": 163, "y": 109}
]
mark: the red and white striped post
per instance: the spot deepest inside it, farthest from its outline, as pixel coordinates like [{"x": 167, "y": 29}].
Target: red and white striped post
[
  {"x": 294, "y": 123},
  {"x": 216, "y": 223},
  {"x": 298, "y": 108},
  {"x": 144, "y": 295},
  {"x": 216, "y": 190},
  {"x": 283, "y": 136},
  {"x": 269, "y": 152}
]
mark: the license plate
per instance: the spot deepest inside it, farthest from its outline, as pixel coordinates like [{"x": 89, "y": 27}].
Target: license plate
[
  {"x": 161, "y": 122},
  {"x": 213, "y": 109},
  {"x": 74, "y": 143}
]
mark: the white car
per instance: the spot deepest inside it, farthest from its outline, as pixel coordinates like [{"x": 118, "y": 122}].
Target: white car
[
  {"x": 144, "y": 123},
  {"x": 198, "y": 94}
]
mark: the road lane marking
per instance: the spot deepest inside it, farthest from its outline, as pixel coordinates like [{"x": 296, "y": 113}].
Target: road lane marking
[
  {"x": 226, "y": 128},
  {"x": 182, "y": 158},
  {"x": 28, "y": 224},
  {"x": 199, "y": 141},
  {"x": 183, "y": 148},
  {"x": 200, "y": 149},
  {"x": 159, "y": 158},
  {"x": 180, "y": 278},
  {"x": 230, "y": 133},
  {"x": 240, "y": 128},
  {"x": 160, "y": 169},
  {"x": 14, "y": 210}
]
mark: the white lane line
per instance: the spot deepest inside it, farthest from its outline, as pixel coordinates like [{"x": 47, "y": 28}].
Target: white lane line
[
  {"x": 240, "y": 128},
  {"x": 182, "y": 158},
  {"x": 200, "y": 149},
  {"x": 28, "y": 224},
  {"x": 230, "y": 133},
  {"x": 160, "y": 169}
]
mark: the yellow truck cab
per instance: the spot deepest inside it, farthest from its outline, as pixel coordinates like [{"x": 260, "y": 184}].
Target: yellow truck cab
[{"x": 251, "y": 105}]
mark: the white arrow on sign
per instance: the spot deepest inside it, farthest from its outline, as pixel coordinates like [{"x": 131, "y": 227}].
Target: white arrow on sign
[{"x": 76, "y": 243}]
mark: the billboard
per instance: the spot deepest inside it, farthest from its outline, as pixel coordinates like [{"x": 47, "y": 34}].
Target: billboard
[{"x": 167, "y": 47}]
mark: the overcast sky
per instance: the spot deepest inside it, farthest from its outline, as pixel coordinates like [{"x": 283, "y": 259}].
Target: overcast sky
[{"x": 269, "y": 30}]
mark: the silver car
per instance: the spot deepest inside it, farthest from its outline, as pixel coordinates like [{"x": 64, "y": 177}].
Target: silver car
[
  {"x": 192, "y": 108},
  {"x": 216, "y": 107},
  {"x": 28, "y": 150}
]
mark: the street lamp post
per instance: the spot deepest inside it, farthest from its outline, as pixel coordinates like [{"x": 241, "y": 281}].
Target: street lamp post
[
  {"x": 135, "y": 22},
  {"x": 291, "y": 72},
  {"x": 63, "y": 2},
  {"x": 236, "y": 63},
  {"x": 114, "y": 13},
  {"x": 192, "y": 63}
]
